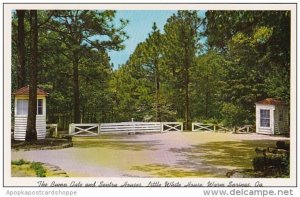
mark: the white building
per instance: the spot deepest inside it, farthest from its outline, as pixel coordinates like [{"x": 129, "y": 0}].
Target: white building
[
  {"x": 272, "y": 117},
  {"x": 21, "y": 112}
]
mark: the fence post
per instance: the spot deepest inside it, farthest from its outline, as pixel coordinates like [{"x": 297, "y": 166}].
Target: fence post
[
  {"x": 214, "y": 128},
  {"x": 56, "y": 134},
  {"x": 70, "y": 128}
]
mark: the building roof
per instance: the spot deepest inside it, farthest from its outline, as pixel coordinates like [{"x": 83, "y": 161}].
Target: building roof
[
  {"x": 25, "y": 91},
  {"x": 271, "y": 101}
]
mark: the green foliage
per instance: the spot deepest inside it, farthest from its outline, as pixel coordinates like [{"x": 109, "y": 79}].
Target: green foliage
[
  {"x": 233, "y": 115},
  {"x": 210, "y": 69},
  {"x": 257, "y": 60},
  {"x": 272, "y": 165},
  {"x": 19, "y": 162},
  {"x": 38, "y": 168},
  {"x": 40, "y": 171}
]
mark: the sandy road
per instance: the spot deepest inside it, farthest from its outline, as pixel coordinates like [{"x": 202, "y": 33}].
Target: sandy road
[{"x": 154, "y": 155}]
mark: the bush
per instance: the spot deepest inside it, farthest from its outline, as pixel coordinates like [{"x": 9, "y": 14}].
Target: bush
[
  {"x": 272, "y": 165},
  {"x": 19, "y": 162},
  {"x": 259, "y": 164},
  {"x": 233, "y": 115},
  {"x": 283, "y": 145},
  {"x": 39, "y": 169}
]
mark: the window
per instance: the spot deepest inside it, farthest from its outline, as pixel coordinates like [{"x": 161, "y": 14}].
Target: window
[
  {"x": 40, "y": 107},
  {"x": 265, "y": 118},
  {"x": 22, "y": 106}
]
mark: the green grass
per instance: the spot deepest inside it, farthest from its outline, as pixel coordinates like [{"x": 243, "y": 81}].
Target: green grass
[
  {"x": 163, "y": 170},
  {"x": 25, "y": 168},
  {"x": 40, "y": 171}
]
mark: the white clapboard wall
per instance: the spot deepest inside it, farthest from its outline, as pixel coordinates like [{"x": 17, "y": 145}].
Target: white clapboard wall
[{"x": 21, "y": 124}]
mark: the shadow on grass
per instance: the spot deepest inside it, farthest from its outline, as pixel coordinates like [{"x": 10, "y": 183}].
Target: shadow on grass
[
  {"x": 228, "y": 154},
  {"x": 112, "y": 136},
  {"x": 163, "y": 170},
  {"x": 130, "y": 145},
  {"x": 212, "y": 159}
]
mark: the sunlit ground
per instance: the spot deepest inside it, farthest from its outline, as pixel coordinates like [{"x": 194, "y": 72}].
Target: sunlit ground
[{"x": 186, "y": 154}]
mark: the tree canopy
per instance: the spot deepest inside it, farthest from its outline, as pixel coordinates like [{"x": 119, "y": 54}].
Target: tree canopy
[{"x": 211, "y": 68}]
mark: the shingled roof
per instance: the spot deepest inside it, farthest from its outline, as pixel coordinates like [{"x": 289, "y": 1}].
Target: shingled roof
[
  {"x": 271, "y": 101},
  {"x": 25, "y": 91}
]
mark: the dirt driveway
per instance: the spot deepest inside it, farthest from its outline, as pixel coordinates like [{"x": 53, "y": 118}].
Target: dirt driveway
[{"x": 186, "y": 154}]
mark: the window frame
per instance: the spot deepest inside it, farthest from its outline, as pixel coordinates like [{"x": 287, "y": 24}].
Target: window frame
[
  {"x": 17, "y": 110},
  {"x": 42, "y": 106},
  {"x": 264, "y": 118},
  {"x": 37, "y": 107}
]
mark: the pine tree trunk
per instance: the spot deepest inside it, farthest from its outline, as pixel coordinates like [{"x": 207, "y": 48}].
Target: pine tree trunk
[
  {"x": 157, "y": 84},
  {"x": 186, "y": 86},
  {"x": 186, "y": 109},
  {"x": 31, "y": 133},
  {"x": 21, "y": 72},
  {"x": 76, "y": 89}
]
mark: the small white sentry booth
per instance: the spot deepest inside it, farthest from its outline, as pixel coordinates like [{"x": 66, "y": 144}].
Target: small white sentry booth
[
  {"x": 272, "y": 117},
  {"x": 21, "y": 113}
]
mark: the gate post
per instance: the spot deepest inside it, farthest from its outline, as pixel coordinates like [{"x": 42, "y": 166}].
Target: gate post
[{"x": 70, "y": 128}]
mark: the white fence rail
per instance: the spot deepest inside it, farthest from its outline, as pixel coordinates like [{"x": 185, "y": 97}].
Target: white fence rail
[
  {"x": 123, "y": 127},
  {"x": 245, "y": 129},
  {"x": 171, "y": 126},
  {"x": 130, "y": 127},
  {"x": 197, "y": 126},
  {"x": 90, "y": 129}
]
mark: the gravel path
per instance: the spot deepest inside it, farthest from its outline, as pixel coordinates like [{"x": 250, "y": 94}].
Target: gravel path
[{"x": 154, "y": 155}]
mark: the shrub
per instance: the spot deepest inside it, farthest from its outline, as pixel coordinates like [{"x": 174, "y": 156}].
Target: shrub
[
  {"x": 233, "y": 115},
  {"x": 283, "y": 145},
  {"x": 19, "y": 162},
  {"x": 272, "y": 165},
  {"x": 259, "y": 164},
  {"x": 39, "y": 169}
]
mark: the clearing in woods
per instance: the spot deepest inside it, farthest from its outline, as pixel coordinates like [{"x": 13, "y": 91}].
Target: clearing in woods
[{"x": 173, "y": 154}]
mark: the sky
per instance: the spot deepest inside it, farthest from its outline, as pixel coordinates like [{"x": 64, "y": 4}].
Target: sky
[{"x": 140, "y": 25}]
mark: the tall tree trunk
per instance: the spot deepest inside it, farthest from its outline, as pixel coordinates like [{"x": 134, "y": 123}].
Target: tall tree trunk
[
  {"x": 157, "y": 89},
  {"x": 76, "y": 88},
  {"x": 31, "y": 134},
  {"x": 186, "y": 86},
  {"x": 206, "y": 98},
  {"x": 186, "y": 109},
  {"x": 21, "y": 71}
]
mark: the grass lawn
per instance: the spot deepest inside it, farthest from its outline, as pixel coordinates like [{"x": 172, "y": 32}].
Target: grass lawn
[{"x": 22, "y": 168}]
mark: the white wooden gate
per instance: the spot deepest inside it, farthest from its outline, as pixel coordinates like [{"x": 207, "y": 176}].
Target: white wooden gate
[
  {"x": 171, "y": 126},
  {"x": 90, "y": 129},
  {"x": 198, "y": 126},
  {"x": 93, "y": 129},
  {"x": 130, "y": 127}
]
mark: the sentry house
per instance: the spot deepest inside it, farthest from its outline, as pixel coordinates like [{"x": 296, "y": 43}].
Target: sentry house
[
  {"x": 272, "y": 117},
  {"x": 21, "y": 112}
]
